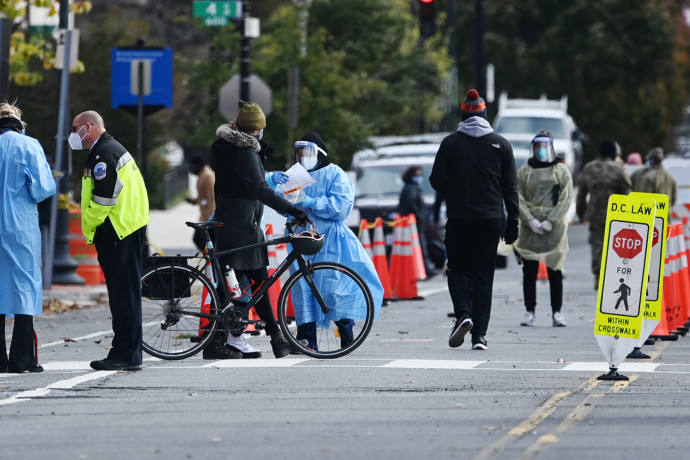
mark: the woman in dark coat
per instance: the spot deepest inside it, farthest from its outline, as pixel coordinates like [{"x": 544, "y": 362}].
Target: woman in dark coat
[
  {"x": 412, "y": 202},
  {"x": 239, "y": 157}
]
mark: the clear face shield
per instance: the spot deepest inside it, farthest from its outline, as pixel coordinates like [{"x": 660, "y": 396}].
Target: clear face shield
[
  {"x": 542, "y": 149},
  {"x": 306, "y": 153}
]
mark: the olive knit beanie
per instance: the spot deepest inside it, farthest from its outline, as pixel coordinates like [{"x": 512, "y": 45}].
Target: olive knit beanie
[{"x": 251, "y": 117}]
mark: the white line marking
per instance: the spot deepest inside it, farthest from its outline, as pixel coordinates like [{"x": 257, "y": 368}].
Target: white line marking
[
  {"x": 432, "y": 364},
  {"x": 67, "y": 366},
  {"x": 431, "y": 291},
  {"x": 371, "y": 363},
  {"x": 62, "y": 385},
  {"x": 256, "y": 362},
  {"x": 604, "y": 367}
]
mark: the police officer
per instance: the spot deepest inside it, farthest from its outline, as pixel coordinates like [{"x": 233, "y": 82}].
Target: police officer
[
  {"x": 115, "y": 212},
  {"x": 600, "y": 179}
]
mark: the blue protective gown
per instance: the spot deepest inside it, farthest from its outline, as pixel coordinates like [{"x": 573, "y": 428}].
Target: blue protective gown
[
  {"x": 335, "y": 195},
  {"x": 25, "y": 179}
]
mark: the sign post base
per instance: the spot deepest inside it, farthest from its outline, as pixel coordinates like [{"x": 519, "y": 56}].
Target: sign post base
[{"x": 613, "y": 375}]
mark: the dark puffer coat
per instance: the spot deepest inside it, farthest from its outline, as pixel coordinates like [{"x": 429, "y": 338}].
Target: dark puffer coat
[{"x": 241, "y": 192}]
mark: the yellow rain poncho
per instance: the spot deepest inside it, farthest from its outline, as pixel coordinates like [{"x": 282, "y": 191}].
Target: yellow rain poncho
[{"x": 545, "y": 194}]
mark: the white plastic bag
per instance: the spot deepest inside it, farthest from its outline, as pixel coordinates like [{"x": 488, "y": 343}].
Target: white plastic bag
[{"x": 299, "y": 178}]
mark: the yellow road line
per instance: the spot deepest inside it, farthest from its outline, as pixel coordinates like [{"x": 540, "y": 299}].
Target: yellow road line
[
  {"x": 531, "y": 422},
  {"x": 573, "y": 418}
]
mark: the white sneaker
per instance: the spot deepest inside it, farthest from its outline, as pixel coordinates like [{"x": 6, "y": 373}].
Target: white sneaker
[
  {"x": 558, "y": 319},
  {"x": 240, "y": 344},
  {"x": 528, "y": 320}
]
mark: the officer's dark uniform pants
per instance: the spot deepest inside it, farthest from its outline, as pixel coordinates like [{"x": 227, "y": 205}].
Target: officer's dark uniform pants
[
  {"x": 23, "y": 346},
  {"x": 121, "y": 261},
  {"x": 471, "y": 245}
]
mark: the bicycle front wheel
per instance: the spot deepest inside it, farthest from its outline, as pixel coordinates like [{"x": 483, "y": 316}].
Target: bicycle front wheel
[
  {"x": 169, "y": 293},
  {"x": 340, "y": 330}
]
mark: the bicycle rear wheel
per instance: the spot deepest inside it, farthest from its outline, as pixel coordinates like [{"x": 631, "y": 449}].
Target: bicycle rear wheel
[
  {"x": 171, "y": 291},
  {"x": 343, "y": 328}
]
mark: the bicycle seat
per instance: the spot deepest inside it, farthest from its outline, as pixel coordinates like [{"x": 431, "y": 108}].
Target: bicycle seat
[
  {"x": 204, "y": 224},
  {"x": 307, "y": 243}
]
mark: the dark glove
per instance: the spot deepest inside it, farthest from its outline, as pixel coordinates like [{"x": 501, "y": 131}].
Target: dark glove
[
  {"x": 300, "y": 215},
  {"x": 511, "y": 233}
]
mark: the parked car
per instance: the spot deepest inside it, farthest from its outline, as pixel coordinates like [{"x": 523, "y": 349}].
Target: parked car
[
  {"x": 519, "y": 120},
  {"x": 377, "y": 174}
]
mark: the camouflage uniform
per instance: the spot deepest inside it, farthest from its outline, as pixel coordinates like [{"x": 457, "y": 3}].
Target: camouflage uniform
[
  {"x": 656, "y": 179},
  {"x": 599, "y": 179}
]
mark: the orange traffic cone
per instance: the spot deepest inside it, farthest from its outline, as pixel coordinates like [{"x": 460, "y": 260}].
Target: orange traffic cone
[
  {"x": 661, "y": 331},
  {"x": 671, "y": 291},
  {"x": 402, "y": 265},
  {"x": 684, "y": 278},
  {"x": 251, "y": 328},
  {"x": 680, "y": 284},
  {"x": 274, "y": 290},
  {"x": 364, "y": 237},
  {"x": 417, "y": 256},
  {"x": 84, "y": 254},
  {"x": 380, "y": 259},
  {"x": 205, "y": 308},
  {"x": 543, "y": 273}
]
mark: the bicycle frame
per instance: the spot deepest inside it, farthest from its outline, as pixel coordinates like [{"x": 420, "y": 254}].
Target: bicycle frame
[{"x": 211, "y": 257}]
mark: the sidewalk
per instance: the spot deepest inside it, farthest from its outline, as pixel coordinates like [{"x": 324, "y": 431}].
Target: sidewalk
[{"x": 166, "y": 231}]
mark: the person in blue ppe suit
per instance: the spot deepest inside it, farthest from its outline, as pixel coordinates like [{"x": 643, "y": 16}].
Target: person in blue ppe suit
[
  {"x": 331, "y": 199},
  {"x": 25, "y": 179}
]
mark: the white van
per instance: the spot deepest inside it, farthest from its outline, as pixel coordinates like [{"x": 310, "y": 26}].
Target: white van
[{"x": 519, "y": 120}]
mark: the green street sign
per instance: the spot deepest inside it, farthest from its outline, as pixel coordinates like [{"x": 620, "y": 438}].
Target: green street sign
[{"x": 217, "y": 13}]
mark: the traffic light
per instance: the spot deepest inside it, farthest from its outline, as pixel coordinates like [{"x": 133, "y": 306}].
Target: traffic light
[{"x": 427, "y": 18}]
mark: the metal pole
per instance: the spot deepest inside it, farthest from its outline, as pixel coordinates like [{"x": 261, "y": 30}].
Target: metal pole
[
  {"x": 141, "y": 156},
  {"x": 245, "y": 93},
  {"x": 479, "y": 39},
  {"x": 59, "y": 265}
]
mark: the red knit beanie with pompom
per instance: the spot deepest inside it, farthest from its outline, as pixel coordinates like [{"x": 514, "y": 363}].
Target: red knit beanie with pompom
[{"x": 473, "y": 105}]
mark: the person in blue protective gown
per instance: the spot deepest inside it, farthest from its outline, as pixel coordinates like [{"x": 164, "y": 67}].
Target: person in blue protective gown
[
  {"x": 25, "y": 179},
  {"x": 331, "y": 199}
]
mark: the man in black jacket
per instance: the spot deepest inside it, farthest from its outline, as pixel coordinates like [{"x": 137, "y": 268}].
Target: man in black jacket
[{"x": 475, "y": 170}]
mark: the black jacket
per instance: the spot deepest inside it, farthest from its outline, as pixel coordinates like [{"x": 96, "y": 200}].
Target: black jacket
[
  {"x": 241, "y": 192},
  {"x": 477, "y": 176},
  {"x": 412, "y": 202}
]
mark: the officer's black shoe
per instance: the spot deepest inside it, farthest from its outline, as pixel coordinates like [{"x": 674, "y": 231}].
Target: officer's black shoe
[{"x": 109, "y": 364}]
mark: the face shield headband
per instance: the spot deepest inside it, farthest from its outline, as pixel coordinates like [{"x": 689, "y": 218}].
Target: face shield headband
[
  {"x": 542, "y": 149},
  {"x": 306, "y": 153}
]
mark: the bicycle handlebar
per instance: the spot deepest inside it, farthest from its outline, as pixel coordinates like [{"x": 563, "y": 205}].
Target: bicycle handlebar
[{"x": 291, "y": 224}]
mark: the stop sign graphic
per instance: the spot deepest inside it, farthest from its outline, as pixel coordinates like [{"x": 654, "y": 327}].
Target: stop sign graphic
[
  {"x": 627, "y": 243},
  {"x": 655, "y": 238}
]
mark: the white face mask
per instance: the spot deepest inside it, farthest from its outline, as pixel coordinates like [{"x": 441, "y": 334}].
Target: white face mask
[
  {"x": 308, "y": 162},
  {"x": 74, "y": 140},
  {"x": 261, "y": 134}
]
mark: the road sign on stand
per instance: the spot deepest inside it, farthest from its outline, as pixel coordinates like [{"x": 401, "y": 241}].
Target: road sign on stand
[
  {"x": 655, "y": 277},
  {"x": 623, "y": 282},
  {"x": 229, "y": 94},
  {"x": 156, "y": 64}
]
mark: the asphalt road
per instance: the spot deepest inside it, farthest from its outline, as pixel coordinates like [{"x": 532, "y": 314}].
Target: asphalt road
[{"x": 403, "y": 395}]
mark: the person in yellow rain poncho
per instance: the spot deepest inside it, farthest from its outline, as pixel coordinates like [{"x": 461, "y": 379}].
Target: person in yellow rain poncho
[{"x": 545, "y": 189}]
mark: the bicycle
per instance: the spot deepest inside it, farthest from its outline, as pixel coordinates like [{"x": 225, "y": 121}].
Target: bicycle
[{"x": 182, "y": 307}]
